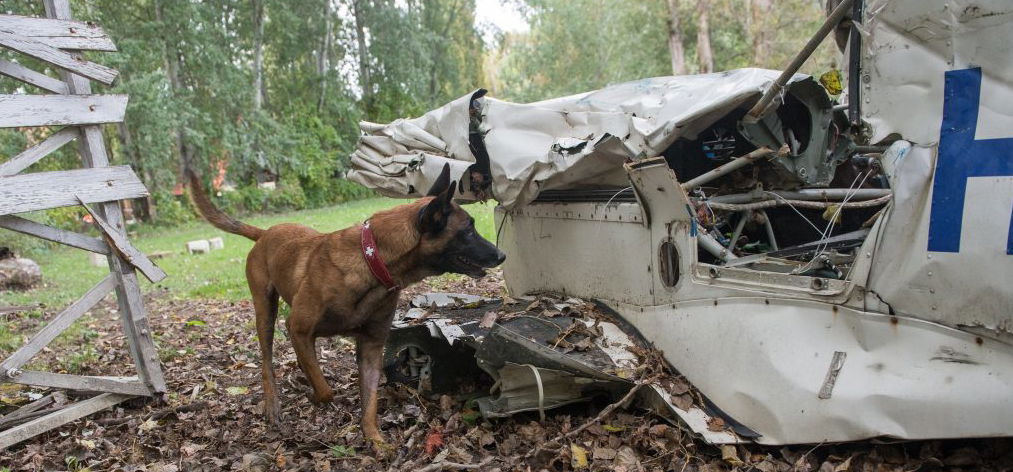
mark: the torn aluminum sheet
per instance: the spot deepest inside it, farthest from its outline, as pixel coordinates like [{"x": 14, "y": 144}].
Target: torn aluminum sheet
[
  {"x": 545, "y": 356},
  {"x": 576, "y": 141},
  {"x": 896, "y": 323}
]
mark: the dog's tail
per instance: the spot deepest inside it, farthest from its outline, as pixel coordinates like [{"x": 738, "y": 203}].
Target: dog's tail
[{"x": 215, "y": 216}]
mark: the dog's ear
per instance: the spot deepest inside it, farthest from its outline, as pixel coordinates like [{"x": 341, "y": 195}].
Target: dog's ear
[
  {"x": 442, "y": 182},
  {"x": 433, "y": 217}
]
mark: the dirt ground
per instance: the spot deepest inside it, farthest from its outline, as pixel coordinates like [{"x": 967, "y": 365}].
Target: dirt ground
[{"x": 211, "y": 418}]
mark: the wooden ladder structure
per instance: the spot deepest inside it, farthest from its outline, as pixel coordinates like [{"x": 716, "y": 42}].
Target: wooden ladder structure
[{"x": 57, "y": 41}]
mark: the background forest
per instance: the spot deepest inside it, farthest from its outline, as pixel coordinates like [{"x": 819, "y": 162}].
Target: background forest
[{"x": 265, "y": 90}]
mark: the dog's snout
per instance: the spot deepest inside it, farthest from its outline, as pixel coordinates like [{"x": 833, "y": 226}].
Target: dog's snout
[{"x": 500, "y": 257}]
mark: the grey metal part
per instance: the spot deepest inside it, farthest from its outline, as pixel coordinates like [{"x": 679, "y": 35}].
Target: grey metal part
[{"x": 808, "y": 164}]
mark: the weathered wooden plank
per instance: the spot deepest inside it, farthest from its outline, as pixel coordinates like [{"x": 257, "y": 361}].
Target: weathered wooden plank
[
  {"x": 73, "y": 412},
  {"x": 33, "y": 154},
  {"x": 69, "y": 61},
  {"x": 19, "y": 72},
  {"x": 84, "y": 383},
  {"x": 56, "y": 235},
  {"x": 47, "y": 110},
  {"x": 9, "y": 367},
  {"x": 31, "y": 410},
  {"x": 43, "y": 190},
  {"x": 62, "y": 34},
  {"x": 133, "y": 315},
  {"x": 126, "y": 250}
]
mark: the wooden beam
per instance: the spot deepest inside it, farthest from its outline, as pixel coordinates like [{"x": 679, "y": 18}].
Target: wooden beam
[
  {"x": 31, "y": 411},
  {"x": 48, "y": 110},
  {"x": 125, "y": 385},
  {"x": 133, "y": 315},
  {"x": 62, "y": 34},
  {"x": 19, "y": 72},
  {"x": 56, "y": 235},
  {"x": 44, "y": 190},
  {"x": 126, "y": 250},
  {"x": 73, "y": 412},
  {"x": 62, "y": 321},
  {"x": 73, "y": 62},
  {"x": 33, "y": 154}
]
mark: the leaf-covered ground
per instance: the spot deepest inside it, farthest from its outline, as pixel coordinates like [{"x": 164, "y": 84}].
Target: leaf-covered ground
[{"x": 211, "y": 418}]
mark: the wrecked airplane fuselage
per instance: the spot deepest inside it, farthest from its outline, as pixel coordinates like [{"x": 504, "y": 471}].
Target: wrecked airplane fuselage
[{"x": 810, "y": 288}]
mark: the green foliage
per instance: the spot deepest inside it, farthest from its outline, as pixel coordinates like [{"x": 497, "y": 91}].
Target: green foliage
[
  {"x": 189, "y": 69},
  {"x": 340, "y": 450},
  {"x": 173, "y": 210},
  {"x": 580, "y": 45}
]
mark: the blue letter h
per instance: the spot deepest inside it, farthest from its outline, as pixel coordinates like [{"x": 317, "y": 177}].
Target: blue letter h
[{"x": 960, "y": 157}]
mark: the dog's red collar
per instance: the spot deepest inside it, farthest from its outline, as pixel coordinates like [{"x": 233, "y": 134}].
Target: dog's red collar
[{"x": 372, "y": 255}]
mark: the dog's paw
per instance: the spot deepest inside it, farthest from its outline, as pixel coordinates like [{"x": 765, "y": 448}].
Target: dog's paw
[
  {"x": 381, "y": 447},
  {"x": 324, "y": 397}
]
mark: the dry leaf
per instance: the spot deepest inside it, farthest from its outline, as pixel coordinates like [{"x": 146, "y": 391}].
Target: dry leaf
[
  {"x": 730, "y": 455},
  {"x": 716, "y": 424},
  {"x": 578, "y": 457}
]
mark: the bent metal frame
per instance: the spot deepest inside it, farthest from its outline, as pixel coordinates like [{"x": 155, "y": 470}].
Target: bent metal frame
[{"x": 57, "y": 40}]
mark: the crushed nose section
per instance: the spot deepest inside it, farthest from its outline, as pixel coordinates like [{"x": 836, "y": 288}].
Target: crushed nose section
[{"x": 538, "y": 354}]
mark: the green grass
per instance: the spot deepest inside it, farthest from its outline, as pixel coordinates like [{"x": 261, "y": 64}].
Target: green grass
[{"x": 67, "y": 273}]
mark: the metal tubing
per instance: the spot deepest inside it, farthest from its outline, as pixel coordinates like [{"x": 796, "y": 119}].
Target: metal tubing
[
  {"x": 736, "y": 163},
  {"x": 855, "y": 65},
  {"x": 804, "y": 194},
  {"x": 770, "y": 230},
  {"x": 775, "y": 89},
  {"x": 711, "y": 245},
  {"x": 738, "y": 229}
]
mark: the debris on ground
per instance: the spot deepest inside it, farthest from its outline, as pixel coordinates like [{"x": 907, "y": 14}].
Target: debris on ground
[{"x": 212, "y": 420}]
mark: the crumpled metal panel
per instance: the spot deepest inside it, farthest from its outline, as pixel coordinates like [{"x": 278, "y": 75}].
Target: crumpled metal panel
[
  {"x": 560, "y": 143},
  {"x": 938, "y": 74},
  {"x": 772, "y": 365},
  {"x": 969, "y": 288},
  {"x": 908, "y": 46}
]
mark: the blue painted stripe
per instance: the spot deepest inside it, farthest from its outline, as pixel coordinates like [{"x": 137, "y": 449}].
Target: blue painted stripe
[{"x": 960, "y": 157}]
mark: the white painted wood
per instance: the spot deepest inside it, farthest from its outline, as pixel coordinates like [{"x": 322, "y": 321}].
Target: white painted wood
[
  {"x": 69, "y": 61},
  {"x": 73, "y": 412},
  {"x": 56, "y": 235},
  {"x": 46, "y": 110},
  {"x": 216, "y": 243},
  {"x": 60, "y": 323},
  {"x": 33, "y": 154},
  {"x": 200, "y": 246},
  {"x": 62, "y": 34},
  {"x": 84, "y": 383},
  {"x": 126, "y": 250},
  {"x": 43, "y": 190},
  {"x": 19, "y": 72}
]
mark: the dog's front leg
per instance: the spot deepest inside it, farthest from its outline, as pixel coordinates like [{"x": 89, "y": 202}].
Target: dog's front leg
[
  {"x": 369, "y": 356},
  {"x": 301, "y": 325}
]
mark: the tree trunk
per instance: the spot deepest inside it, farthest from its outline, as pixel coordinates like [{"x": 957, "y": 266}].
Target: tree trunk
[
  {"x": 171, "y": 57},
  {"x": 704, "y": 56},
  {"x": 675, "y": 46},
  {"x": 258, "y": 54},
  {"x": 324, "y": 58},
  {"x": 146, "y": 204},
  {"x": 761, "y": 10},
  {"x": 358, "y": 7}
]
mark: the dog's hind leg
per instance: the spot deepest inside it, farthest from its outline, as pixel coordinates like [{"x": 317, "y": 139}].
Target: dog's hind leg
[
  {"x": 265, "y": 302},
  {"x": 301, "y": 326}
]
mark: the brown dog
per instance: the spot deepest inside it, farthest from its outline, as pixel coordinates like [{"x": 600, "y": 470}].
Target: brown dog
[{"x": 332, "y": 290}]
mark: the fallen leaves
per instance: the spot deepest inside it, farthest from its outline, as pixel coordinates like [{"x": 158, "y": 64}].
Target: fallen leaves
[
  {"x": 434, "y": 441},
  {"x": 213, "y": 419}
]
